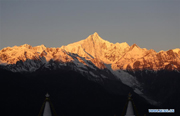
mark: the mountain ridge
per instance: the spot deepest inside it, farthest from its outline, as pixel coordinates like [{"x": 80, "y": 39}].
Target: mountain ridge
[
  {"x": 102, "y": 62},
  {"x": 119, "y": 55}
]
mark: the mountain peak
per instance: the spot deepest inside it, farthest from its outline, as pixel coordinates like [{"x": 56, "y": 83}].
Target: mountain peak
[
  {"x": 177, "y": 50},
  {"x": 95, "y": 37},
  {"x": 134, "y": 46},
  {"x": 26, "y": 45},
  {"x": 42, "y": 46},
  {"x": 124, "y": 44},
  {"x": 96, "y": 34}
]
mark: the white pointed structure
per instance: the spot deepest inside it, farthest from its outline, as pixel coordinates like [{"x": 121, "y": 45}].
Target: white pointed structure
[
  {"x": 129, "y": 111},
  {"x": 47, "y": 108}
]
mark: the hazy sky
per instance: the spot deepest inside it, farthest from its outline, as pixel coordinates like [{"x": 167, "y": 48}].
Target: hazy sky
[{"x": 151, "y": 24}]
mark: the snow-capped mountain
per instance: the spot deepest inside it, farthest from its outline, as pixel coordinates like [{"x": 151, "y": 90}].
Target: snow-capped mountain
[
  {"x": 94, "y": 58},
  {"x": 98, "y": 51}
]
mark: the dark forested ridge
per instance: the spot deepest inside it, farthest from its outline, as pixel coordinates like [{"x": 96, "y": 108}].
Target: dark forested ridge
[
  {"x": 71, "y": 94},
  {"x": 162, "y": 86}
]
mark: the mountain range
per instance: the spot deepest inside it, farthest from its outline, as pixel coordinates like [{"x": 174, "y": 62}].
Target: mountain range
[
  {"x": 98, "y": 51},
  {"x": 114, "y": 69}
]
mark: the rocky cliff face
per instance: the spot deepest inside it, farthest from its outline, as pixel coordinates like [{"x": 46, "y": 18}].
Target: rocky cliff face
[{"x": 99, "y": 52}]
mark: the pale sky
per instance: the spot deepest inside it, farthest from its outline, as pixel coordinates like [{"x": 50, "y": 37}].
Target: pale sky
[{"x": 151, "y": 24}]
